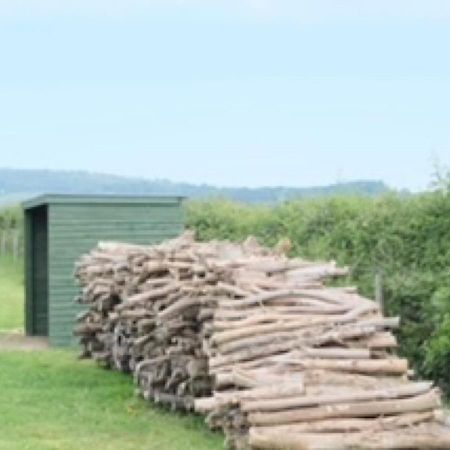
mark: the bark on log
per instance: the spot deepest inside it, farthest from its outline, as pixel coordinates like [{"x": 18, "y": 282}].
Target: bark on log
[
  {"x": 375, "y": 366},
  {"x": 408, "y": 390},
  {"x": 351, "y": 425},
  {"x": 414, "y": 439},
  {"x": 425, "y": 402}
]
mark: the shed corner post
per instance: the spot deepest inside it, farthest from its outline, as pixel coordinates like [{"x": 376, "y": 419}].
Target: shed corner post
[{"x": 28, "y": 270}]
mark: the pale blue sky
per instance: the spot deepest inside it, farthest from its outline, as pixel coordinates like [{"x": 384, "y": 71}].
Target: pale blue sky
[{"x": 249, "y": 92}]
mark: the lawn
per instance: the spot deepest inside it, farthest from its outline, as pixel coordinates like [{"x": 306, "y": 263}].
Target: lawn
[
  {"x": 11, "y": 294},
  {"x": 51, "y": 401}
]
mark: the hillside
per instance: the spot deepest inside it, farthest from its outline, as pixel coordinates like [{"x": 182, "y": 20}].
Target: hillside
[{"x": 19, "y": 184}]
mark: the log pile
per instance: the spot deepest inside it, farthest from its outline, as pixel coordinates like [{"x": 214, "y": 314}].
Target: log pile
[{"x": 256, "y": 342}]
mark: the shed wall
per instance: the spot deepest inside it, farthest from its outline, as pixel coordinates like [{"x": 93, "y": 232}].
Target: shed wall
[{"x": 75, "y": 229}]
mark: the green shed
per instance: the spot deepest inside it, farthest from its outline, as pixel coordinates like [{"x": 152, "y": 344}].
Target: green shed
[{"x": 60, "y": 228}]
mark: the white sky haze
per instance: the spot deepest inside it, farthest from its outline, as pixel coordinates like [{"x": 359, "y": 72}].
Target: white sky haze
[{"x": 248, "y": 93}]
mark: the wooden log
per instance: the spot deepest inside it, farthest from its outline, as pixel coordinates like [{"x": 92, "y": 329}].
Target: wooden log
[
  {"x": 307, "y": 308},
  {"x": 351, "y": 425},
  {"x": 220, "y": 400},
  {"x": 315, "y": 379},
  {"x": 425, "y": 402},
  {"x": 135, "y": 313},
  {"x": 413, "y": 438},
  {"x": 87, "y": 328},
  {"x": 259, "y": 319},
  {"x": 304, "y": 338},
  {"x": 156, "y": 282},
  {"x": 381, "y": 340},
  {"x": 223, "y": 380},
  {"x": 284, "y": 293},
  {"x": 382, "y": 322},
  {"x": 177, "y": 308},
  {"x": 288, "y": 339},
  {"x": 148, "y": 295},
  {"x": 334, "y": 353},
  {"x": 231, "y": 289},
  {"x": 257, "y": 352},
  {"x": 306, "y": 322},
  {"x": 259, "y": 330},
  {"x": 292, "y": 340},
  {"x": 394, "y": 366},
  {"x": 408, "y": 390},
  {"x": 286, "y": 388}
]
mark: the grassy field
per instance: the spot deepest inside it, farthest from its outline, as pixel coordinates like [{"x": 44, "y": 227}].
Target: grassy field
[
  {"x": 11, "y": 294},
  {"x": 51, "y": 401}
]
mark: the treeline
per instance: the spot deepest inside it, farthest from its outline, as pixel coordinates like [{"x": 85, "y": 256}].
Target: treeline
[
  {"x": 21, "y": 184},
  {"x": 405, "y": 239},
  {"x": 11, "y": 218},
  {"x": 11, "y": 232}
]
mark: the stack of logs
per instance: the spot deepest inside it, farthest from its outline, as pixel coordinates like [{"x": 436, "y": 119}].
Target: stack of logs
[{"x": 256, "y": 342}]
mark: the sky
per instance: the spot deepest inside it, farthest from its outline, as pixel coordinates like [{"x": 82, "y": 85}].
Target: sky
[{"x": 228, "y": 92}]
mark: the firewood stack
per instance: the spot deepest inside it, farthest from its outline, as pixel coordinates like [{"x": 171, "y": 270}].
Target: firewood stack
[{"x": 256, "y": 342}]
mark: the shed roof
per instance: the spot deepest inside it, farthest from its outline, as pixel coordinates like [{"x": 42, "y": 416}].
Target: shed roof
[{"x": 48, "y": 199}]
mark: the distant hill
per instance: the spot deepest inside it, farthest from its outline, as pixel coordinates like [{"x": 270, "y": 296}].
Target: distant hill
[{"x": 16, "y": 185}]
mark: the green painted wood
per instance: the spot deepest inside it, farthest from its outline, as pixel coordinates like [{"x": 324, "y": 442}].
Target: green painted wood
[
  {"x": 75, "y": 229},
  {"x": 75, "y": 225}
]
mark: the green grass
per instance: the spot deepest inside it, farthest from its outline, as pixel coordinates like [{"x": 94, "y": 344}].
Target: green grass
[
  {"x": 11, "y": 294},
  {"x": 51, "y": 401}
]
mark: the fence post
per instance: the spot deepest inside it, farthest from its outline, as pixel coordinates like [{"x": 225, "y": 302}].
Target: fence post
[
  {"x": 379, "y": 291},
  {"x": 15, "y": 244},
  {"x": 3, "y": 242}
]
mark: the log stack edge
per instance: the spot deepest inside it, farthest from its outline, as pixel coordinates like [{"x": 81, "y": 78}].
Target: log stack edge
[{"x": 258, "y": 343}]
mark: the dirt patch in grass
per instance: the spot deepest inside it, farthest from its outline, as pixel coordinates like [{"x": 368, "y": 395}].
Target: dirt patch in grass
[{"x": 17, "y": 341}]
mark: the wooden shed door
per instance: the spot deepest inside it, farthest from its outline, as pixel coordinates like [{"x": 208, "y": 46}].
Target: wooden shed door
[{"x": 39, "y": 256}]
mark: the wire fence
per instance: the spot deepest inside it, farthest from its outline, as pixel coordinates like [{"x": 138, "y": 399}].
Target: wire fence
[{"x": 11, "y": 243}]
